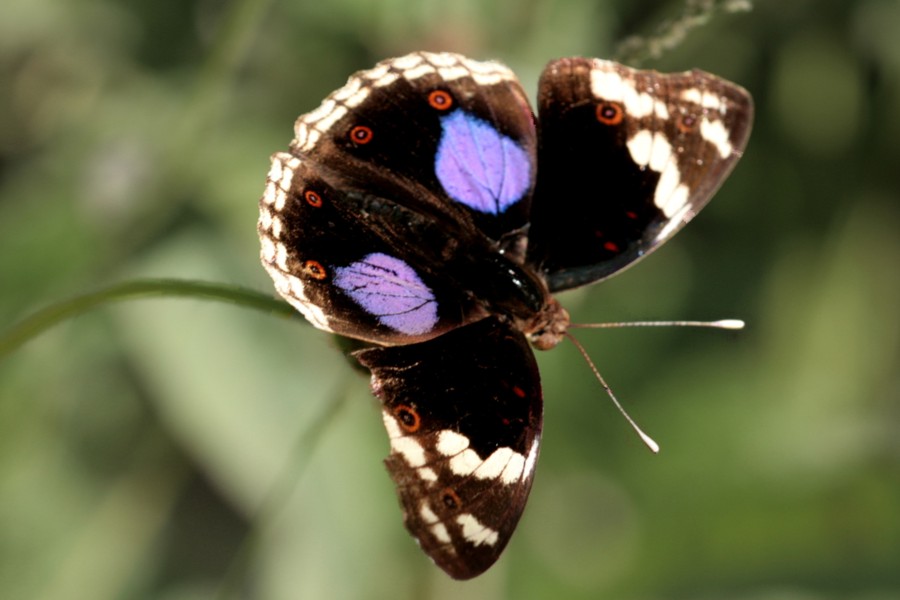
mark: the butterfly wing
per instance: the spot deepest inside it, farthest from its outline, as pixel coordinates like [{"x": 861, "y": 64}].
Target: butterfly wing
[
  {"x": 627, "y": 157},
  {"x": 463, "y": 413},
  {"x": 385, "y": 219}
]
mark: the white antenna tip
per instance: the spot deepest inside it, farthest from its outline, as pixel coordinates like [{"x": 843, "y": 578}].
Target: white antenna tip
[
  {"x": 729, "y": 324},
  {"x": 649, "y": 441}
]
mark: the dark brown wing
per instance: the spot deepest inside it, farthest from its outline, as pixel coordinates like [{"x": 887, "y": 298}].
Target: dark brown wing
[
  {"x": 463, "y": 414},
  {"x": 626, "y": 157}
]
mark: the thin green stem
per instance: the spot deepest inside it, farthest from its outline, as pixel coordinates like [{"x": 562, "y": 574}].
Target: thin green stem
[{"x": 47, "y": 317}]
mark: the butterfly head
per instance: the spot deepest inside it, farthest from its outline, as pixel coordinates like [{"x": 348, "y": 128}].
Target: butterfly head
[{"x": 546, "y": 329}]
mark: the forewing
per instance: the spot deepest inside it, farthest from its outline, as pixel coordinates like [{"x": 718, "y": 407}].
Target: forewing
[
  {"x": 385, "y": 219},
  {"x": 627, "y": 157},
  {"x": 463, "y": 414}
]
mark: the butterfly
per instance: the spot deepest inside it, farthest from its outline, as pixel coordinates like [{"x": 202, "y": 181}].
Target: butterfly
[{"x": 424, "y": 209}]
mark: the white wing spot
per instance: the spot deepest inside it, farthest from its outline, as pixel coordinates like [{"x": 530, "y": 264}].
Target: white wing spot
[
  {"x": 383, "y": 81},
  {"x": 465, "y": 463},
  {"x": 427, "y": 474},
  {"x": 410, "y": 449},
  {"x": 607, "y": 84},
  {"x": 652, "y": 150},
  {"x": 326, "y": 108},
  {"x": 407, "y": 62},
  {"x": 504, "y": 464},
  {"x": 660, "y": 153},
  {"x": 454, "y": 72},
  {"x": 475, "y": 532},
  {"x": 696, "y": 96},
  {"x": 427, "y": 514},
  {"x": 274, "y": 173},
  {"x": 639, "y": 146},
  {"x": 267, "y": 252},
  {"x": 352, "y": 86},
  {"x": 419, "y": 71},
  {"x": 281, "y": 257},
  {"x": 493, "y": 467},
  {"x": 442, "y": 59},
  {"x": 439, "y": 530},
  {"x": 531, "y": 460},
  {"x": 513, "y": 470},
  {"x": 676, "y": 201},
  {"x": 637, "y": 105},
  {"x": 328, "y": 121},
  {"x": 716, "y": 134},
  {"x": 391, "y": 425},
  {"x": 451, "y": 443},
  {"x": 277, "y": 225},
  {"x": 265, "y": 219},
  {"x": 270, "y": 195}
]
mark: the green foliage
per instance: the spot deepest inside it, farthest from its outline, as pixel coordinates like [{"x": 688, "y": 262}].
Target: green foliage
[{"x": 182, "y": 449}]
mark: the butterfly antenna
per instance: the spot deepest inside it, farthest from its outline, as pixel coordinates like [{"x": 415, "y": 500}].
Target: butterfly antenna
[
  {"x": 720, "y": 324},
  {"x": 654, "y": 447}
]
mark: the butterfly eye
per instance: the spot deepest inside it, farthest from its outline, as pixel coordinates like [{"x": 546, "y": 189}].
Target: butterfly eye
[
  {"x": 314, "y": 269},
  {"x": 409, "y": 418},
  {"x": 440, "y": 100},
  {"x": 313, "y": 198},
  {"x": 361, "y": 134},
  {"x": 610, "y": 113}
]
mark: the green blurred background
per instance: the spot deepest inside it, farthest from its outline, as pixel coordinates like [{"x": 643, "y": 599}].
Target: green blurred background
[{"x": 179, "y": 449}]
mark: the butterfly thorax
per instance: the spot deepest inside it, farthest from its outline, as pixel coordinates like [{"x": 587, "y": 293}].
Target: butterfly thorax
[{"x": 548, "y": 327}]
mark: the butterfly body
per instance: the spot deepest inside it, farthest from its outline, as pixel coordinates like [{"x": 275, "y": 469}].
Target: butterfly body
[{"x": 423, "y": 208}]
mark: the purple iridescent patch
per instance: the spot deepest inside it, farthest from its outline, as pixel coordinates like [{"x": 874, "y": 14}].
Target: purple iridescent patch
[
  {"x": 390, "y": 289},
  {"x": 480, "y": 167}
]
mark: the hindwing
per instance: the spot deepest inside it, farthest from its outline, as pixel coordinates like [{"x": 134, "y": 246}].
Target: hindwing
[{"x": 463, "y": 414}]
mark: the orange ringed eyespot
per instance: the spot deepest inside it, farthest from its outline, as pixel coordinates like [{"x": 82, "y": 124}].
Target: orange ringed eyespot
[
  {"x": 314, "y": 269},
  {"x": 610, "y": 113},
  {"x": 408, "y": 417},
  {"x": 440, "y": 100},
  {"x": 687, "y": 123},
  {"x": 450, "y": 499},
  {"x": 313, "y": 198},
  {"x": 361, "y": 134}
]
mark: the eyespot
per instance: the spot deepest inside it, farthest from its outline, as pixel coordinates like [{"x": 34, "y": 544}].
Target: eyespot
[
  {"x": 440, "y": 100},
  {"x": 361, "y": 134},
  {"x": 610, "y": 113},
  {"x": 408, "y": 417},
  {"x": 450, "y": 499},
  {"x": 312, "y": 198},
  {"x": 686, "y": 123},
  {"x": 314, "y": 269}
]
